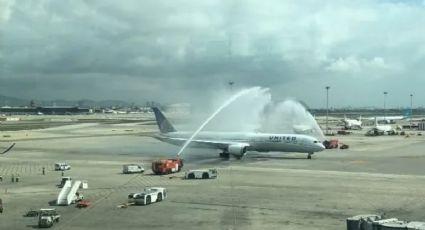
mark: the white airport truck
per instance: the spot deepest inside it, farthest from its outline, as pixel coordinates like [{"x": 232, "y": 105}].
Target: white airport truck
[
  {"x": 132, "y": 168},
  {"x": 201, "y": 174},
  {"x": 47, "y": 217},
  {"x": 62, "y": 166},
  {"x": 148, "y": 196}
]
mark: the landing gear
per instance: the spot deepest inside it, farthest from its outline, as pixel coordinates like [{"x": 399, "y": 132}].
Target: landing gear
[
  {"x": 309, "y": 156},
  {"x": 224, "y": 155}
]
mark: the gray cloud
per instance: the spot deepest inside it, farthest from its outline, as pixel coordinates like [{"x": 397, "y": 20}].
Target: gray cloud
[{"x": 176, "y": 51}]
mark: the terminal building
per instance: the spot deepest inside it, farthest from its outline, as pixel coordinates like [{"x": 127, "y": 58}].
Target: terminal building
[{"x": 53, "y": 110}]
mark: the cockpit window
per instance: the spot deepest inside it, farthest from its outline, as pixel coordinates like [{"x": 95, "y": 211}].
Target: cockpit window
[{"x": 315, "y": 142}]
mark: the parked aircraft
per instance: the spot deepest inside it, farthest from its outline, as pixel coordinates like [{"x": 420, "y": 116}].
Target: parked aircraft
[
  {"x": 386, "y": 119},
  {"x": 352, "y": 123},
  {"x": 380, "y": 129},
  {"x": 238, "y": 143},
  {"x": 115, "y": 111}
]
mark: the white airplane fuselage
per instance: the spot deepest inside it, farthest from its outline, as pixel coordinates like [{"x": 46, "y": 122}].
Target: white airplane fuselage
[
  {"x": 238, "y": 143},
  {"x": 352, "y": 124},
  {"x": 260, "y": 142},
  {"x": 384, "y": 128},
  {"x": 387, "y": 119}
]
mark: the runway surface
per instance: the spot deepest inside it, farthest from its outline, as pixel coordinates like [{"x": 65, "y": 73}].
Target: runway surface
[{"x": 262, "y": 191}]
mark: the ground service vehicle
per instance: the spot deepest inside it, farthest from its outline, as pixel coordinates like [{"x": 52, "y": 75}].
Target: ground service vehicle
[
  {"x": 132, "y": 168},
  {"x": 201, "y": 174},
  {"x": 331, "y": 144},
  {"x": 62, "y": 166},
  {"x": 83, "y": 204},
  {"x": 148, "y": 196},
  {"x": 78, "y": 197},
  {"x": 31, "y": 213},
  {"x": 167, "y": 166},
  {"x": 47, "y": 217}
]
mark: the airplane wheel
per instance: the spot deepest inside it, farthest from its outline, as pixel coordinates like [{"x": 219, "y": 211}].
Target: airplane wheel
[
  {"x": 309, "y": 157},
  {"x": 224, "y": 155},
  {"x": 205, "y": 176},
  {"x": 191, "y": 176}
]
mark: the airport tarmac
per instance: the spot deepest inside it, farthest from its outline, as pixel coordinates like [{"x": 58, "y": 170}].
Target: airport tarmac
[{"x": 384, "y": 174}]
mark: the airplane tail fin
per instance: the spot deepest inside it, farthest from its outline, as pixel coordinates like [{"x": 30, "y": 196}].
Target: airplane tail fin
[
  {"x": 376, "y": 122},
  {"x": 163, "y": 124}
]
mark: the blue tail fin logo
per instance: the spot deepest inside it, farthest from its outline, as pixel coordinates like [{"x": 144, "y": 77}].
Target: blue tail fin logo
[{"x": 163, "y": 124}]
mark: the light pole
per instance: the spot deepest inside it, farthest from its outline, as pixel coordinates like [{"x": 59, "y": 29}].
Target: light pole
[
  {"x": 385, "y": 101},
  {"x": 411, "y": 109},
  {"x": 327, "y": 107}
]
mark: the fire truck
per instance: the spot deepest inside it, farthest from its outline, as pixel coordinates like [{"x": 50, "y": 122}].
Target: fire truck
[{"x": 167, "y": 166}]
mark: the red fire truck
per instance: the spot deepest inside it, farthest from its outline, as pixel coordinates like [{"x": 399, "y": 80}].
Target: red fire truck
[{"x": 167, "y": 166}]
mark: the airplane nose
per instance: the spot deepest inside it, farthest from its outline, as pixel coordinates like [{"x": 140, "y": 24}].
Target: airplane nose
[{"x": 321, "y": 146}]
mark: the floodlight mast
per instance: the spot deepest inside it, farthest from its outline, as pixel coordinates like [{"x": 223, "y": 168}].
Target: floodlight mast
[{"x": 327, "y": 107}]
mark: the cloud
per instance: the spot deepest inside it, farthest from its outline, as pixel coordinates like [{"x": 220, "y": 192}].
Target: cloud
[
  {"x": 354, "y": 65},
  {"x": 5, "y": 10},
  {"x": 194, "y": 47}
]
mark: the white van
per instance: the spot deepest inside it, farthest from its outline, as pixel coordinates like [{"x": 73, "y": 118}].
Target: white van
[
  {"x": 132, "y": 168},
  {"x": 62, "y": 166}
]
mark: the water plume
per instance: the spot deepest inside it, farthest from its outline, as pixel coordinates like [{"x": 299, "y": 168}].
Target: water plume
[
  {"x": 290, "y": 116},
  {"x": 252, "y": 110},
  {"x": 224, "y": 105}
]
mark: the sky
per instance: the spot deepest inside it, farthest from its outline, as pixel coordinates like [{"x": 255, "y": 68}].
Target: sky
[{"x": 177, "y": 51}]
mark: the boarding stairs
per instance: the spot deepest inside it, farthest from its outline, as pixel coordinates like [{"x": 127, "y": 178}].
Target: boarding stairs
[{"x": 67, "y": 194}]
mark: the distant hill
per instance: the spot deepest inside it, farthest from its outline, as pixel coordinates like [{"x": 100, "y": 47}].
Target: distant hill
[{"x": 13, "y": 101}]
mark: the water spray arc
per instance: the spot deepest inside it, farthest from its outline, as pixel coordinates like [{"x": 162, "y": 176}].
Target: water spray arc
[
  {"x": 291, "y": 116},
  {"x": 224, "y": 105}
]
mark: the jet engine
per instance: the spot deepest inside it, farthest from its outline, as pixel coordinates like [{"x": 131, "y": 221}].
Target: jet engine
[{"x": 237, "y": 150}]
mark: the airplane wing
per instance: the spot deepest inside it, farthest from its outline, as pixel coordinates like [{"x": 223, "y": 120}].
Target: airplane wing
[{"x": 216, "y": 144}]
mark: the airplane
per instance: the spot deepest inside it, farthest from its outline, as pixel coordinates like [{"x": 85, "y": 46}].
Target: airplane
[
  {"x": 238, "y": 143},
  {"x": 352, "y": 123},
  {"x": 115, "y": 111},
  {"x": 380, "y": 129},
  {"x": 386, "y": 119}
]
